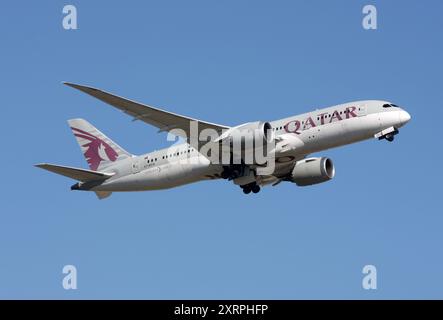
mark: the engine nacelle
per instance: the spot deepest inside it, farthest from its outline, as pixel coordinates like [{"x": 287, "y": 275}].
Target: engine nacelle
[
  {"x": 312, "y": 171},
  {"x": 249, "y": 134}
]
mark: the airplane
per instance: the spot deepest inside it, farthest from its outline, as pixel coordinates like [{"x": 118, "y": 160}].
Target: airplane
[{"x": 292, "y": 140}]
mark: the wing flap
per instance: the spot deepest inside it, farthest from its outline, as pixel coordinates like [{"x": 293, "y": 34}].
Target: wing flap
[
  {"x": 103, "y": 194},
  {"x": 82, "y": 175}
]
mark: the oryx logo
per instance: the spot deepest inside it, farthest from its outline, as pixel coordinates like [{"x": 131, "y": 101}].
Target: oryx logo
[{"x": 97, "y": 150}]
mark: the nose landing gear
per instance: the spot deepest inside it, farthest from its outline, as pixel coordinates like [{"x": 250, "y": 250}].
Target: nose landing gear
[
  {"x": 389, "y": 137},
  {"x": 387, "y": 134}
]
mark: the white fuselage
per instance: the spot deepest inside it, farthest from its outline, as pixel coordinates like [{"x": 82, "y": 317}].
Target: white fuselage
[{"x": 312, "y": 132}]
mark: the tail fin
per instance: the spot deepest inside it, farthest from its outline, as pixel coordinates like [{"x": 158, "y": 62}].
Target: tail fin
[{"x": 98, "y": 149}]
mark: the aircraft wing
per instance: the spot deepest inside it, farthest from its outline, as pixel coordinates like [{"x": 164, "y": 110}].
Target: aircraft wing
[{"x": 161, "y": 119}]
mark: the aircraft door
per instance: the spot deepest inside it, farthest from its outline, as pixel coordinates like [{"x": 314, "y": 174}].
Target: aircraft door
[
  {"x": 361, "y": 110},
  {"x": 136, "y": 166}
]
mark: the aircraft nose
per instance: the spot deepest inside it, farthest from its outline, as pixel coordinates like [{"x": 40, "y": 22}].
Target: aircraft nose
[{"x": 404, "y": 117}]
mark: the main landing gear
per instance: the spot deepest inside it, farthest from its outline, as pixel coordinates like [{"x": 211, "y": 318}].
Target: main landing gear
[
  {"x": 233, "y": 171},
  {"x": 237, "y": 171},
  {"x": 251, "y": 187}
]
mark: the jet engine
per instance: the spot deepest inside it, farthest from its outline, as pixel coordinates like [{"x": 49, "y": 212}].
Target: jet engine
[
  {"x": 249, "y": 134},
  {"x": 248, "y": 144},
  {"x": 311, "y": 171}
]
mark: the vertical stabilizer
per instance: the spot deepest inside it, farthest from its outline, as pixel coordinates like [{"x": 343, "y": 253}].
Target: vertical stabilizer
[{"x": 99, "y": 151}]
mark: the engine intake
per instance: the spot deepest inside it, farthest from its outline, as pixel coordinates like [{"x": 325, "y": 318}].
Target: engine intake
[
  {"x": 249, "y": 133},
  {"x": 312, "y": 171}
]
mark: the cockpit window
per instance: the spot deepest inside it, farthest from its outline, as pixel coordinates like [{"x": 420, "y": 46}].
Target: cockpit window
[{"x": 390, "y": 105}]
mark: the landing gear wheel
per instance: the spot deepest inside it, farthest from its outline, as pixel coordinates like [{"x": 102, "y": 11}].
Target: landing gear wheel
[
  {"x": 389, "y": 137},
  {"x": 256, "y": 189},
  {"x": 246, "y": 190},
  {"x": 225, "y": 175}
]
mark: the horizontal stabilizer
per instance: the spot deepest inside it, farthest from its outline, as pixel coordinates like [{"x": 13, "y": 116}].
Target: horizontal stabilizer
[{"x": 82, "y": 175}]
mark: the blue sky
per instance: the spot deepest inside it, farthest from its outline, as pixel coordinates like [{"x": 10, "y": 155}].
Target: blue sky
[{"x": 227, "y": 62}]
